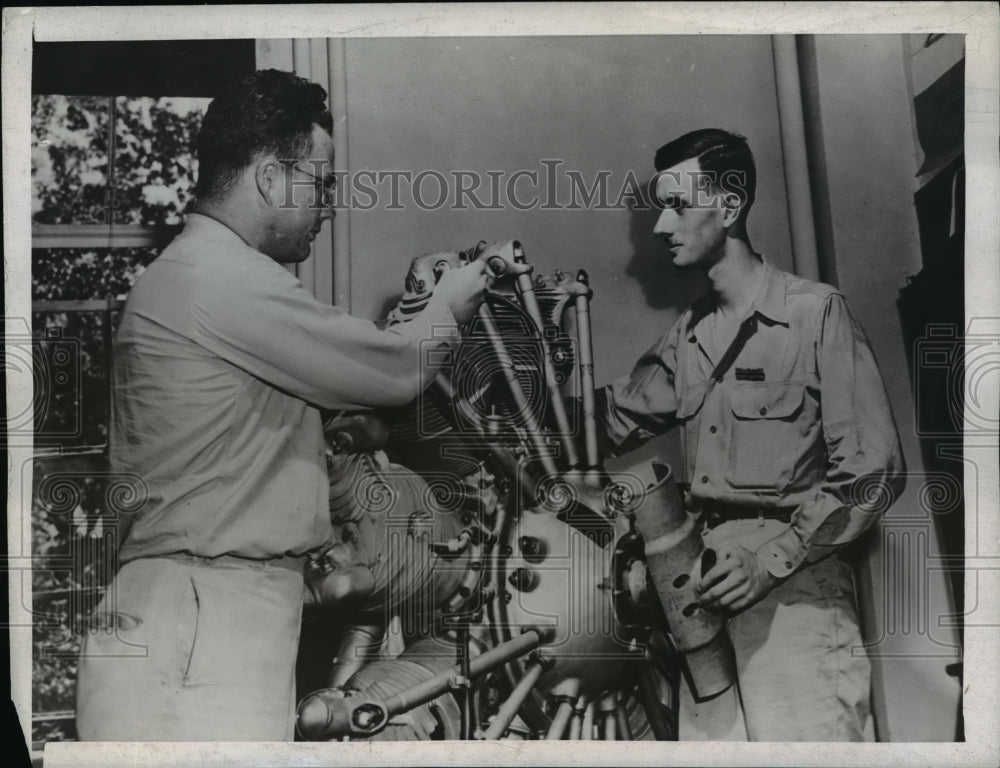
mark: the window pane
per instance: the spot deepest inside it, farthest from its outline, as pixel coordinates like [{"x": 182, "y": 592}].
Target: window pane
[
  {"x": 70, "y": 355},
  {"x": 86, "y": 273},
  {"x": 155, "y": 157},
  {"x": 69, "y": 159},
  {"x": 75, "y": 506}
]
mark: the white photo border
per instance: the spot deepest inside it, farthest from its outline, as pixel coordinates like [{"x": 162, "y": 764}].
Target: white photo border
[{"x": 977, "y": 20}]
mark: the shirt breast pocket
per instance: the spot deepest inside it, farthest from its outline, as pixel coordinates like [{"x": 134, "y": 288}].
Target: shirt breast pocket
[{"x": 764, "y": 435}]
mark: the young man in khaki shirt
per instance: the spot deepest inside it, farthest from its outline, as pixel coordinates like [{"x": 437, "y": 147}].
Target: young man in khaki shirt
[{"x": 789, "y": 443}]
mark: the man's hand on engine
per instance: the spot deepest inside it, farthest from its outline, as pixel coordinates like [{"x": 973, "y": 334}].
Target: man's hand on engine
[
  {"x": 737, "y": 581},
  {"x": 464, "y": 289}
]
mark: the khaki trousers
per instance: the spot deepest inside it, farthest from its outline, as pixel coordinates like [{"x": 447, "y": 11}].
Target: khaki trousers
[
  {"x": 803, "y": 674},
  {"x": 186, "y": 649}
]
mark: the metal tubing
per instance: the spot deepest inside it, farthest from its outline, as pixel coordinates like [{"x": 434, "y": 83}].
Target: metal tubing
[
  {"x": 520, "y": 399},
  {"x": 526, "y": 292},
  {"x": 576, "y": 725},
  {"x": 560, "y": 720},
  {"x": 454, "y": 546},
  {"x": 465, "y": 700},
  {"x": 609, "y": 730},
  {"x": 674, "y": 551},
  {"x": 509, "y": 709},
  {"x": 624, "y": 726},
  {"x": 513, "y": 469},
  {"x": 485, "y": 662},
  {"x": 588, "y": 722},
  {"x": 585, "y": 343},
  {"x": 469, "y": 581},
  {"x": 609, "y": 717}
]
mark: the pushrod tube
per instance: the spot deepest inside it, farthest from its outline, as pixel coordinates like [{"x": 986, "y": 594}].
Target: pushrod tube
[
  {"x": 585, "y": 344},
  {"x": 526, "y": 293},
  {"x": 624, "y": 727},
  {"x": 531, "y": 424},
  {"x": 509, "y": 709},
  {"x": 510, "y": 467},
  {"x": 560, "y": 720},
  {"x": 588, "y": 722},
  {"x": 609, "y": 717}
]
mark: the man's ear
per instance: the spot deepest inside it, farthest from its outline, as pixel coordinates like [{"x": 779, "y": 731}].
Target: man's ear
[
  {"x": 268, "y": 177},
  {"x": 732, "y": 207}
]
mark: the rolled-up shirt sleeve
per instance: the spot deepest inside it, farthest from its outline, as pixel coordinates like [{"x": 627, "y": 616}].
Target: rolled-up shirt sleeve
[
  {"x": 865, "y": 466},
  {"x": 643, "y": 404},
  {"x": 269, "y": 325}
]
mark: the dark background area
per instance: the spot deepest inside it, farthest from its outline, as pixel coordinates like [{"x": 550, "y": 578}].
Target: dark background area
[{"x": 157, "y": 68}]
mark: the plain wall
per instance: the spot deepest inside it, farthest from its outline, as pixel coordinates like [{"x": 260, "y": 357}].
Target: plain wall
[{"x": 596, "y": 104}]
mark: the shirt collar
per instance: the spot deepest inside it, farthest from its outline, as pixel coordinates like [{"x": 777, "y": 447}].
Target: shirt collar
[
  {"x": 207, "y": 226},
  {"x": 770, "y": 300}
]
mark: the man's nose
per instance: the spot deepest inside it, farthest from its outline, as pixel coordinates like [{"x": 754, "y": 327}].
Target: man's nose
[{"x": 663, "y": 226}]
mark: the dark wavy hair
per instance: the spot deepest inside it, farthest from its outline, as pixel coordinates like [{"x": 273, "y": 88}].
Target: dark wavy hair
[
  {"x": 268, "y": 112},
  {"x": 726, "y": 156}
]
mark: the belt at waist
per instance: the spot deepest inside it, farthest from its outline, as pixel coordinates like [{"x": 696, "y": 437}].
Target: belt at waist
[
  {"x": 717, "y": 514},
  {"x": 288, "y": 562}
]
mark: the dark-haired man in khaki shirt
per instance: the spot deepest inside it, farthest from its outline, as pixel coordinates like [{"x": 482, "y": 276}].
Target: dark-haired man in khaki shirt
[{"x": 789, "y": 443}]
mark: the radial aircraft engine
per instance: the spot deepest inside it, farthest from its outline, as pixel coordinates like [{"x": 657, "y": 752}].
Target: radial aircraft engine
[{"x": 488, "y": 579}]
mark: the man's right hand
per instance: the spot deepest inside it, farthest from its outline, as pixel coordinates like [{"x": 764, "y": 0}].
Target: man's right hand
[{"x": 464, "y": 289}]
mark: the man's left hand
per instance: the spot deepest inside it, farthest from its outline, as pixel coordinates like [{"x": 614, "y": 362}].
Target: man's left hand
[{"x": 737, "y": 581}]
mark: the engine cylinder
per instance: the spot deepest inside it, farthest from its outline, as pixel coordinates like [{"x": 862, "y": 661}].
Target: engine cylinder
[{"x": 402, "y": 544}]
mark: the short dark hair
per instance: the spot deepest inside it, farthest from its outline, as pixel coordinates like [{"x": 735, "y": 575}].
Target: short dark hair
[
  {"x": 268, "y": 112},
  {"x": 725, "y": 155}
]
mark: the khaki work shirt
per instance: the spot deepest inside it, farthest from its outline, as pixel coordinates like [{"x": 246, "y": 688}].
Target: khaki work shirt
[
  {"x": 792, "y": 418},
  {"x": 222, "y": 360}
]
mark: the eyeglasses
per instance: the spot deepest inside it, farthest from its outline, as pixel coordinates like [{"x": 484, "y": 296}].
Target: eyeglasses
[{"x": 327, "y": 187}]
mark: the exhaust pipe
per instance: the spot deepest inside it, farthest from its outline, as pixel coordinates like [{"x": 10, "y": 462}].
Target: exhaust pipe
[{"x": 677, "y": 558}]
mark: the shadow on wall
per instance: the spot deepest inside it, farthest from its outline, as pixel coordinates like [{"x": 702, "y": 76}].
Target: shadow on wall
[
  {"x": 663, "y": 285},
  {"x": 381, "y": 319}
]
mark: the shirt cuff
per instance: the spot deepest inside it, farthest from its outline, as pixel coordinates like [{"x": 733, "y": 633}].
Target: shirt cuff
[{"x": 783, "y": 554}]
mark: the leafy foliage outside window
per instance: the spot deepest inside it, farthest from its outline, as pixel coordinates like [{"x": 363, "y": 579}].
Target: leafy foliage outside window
[
  {"x": 74, "y": 548},
  {"x": 86, "y": 273},
  {"x": 70, "y": 359},
  {"x": 69, "y": 159},
  {"x": 145, "y": 175},
  {"x": 156, "y": 158},
  {"x": 95, "y": 161}
]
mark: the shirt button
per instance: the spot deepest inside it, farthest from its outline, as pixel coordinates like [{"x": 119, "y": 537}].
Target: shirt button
[
  {"x": 704, "y": 478},
  {"x": 763, "y": 411},
  {"x": 713, "y": 429},
  {"x": 788, "y": 564}
]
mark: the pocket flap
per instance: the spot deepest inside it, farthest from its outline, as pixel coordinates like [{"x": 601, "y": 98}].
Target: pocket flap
[{"x": 767, "y": 401}]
